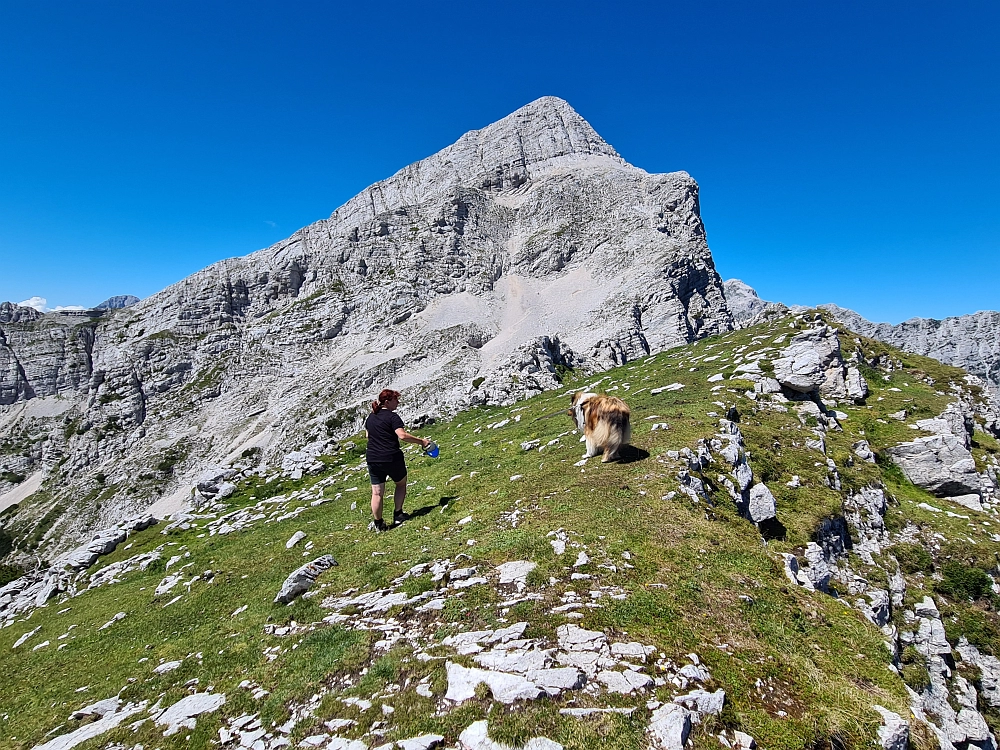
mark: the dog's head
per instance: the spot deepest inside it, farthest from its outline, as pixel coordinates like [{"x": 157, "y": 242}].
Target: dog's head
[{"x": 577, "y": 404}]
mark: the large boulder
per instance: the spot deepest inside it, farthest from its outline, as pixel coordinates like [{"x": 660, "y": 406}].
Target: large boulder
[
  {"x": 940, "y": 464},
  {"x": 811, "y": 363}
]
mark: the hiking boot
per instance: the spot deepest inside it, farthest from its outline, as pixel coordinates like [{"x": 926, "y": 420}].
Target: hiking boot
[
  {"x": 399, "y": 516},
  {"x": 378, "y": 526}
]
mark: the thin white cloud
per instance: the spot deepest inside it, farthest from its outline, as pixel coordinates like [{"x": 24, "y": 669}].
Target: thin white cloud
[
  {"x": 38, "y": 303},
  {"x": 270, "y": 223},
  {"x": 42, "y": 305}
]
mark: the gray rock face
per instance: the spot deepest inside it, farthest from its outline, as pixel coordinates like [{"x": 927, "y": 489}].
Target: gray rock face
[
  {"x": 746, "y": 307},
  {"x": 762, "y": 506},
  {"x": 894, "y": 734},
  {"x": 439, "y": 281},
  {"x": 940, "y": 464},
  {"x": 669, "y": 727},
  {"x": 811, "y": 363},
  {"x": 117, "y": 302},
  {"x": 183, "y": 714}
]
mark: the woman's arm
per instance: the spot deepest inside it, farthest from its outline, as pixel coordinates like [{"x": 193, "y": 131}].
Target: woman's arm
[{"x": 408, "y": 438}]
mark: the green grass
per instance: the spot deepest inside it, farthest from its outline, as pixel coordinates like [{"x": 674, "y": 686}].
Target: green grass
[{"x": 701, "y": 580}]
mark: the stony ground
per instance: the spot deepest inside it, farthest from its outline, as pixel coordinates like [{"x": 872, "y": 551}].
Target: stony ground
[{"x": 534, "y": 599}]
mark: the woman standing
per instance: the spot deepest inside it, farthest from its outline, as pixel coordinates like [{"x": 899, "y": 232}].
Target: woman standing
[{"x": 384, "y": 429}]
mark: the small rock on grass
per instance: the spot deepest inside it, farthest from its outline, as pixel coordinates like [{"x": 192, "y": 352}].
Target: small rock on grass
[
  {"x": 303, "y": 578},
  {"x": 476, "y": 737},
  {"x": 669, "y": 727},
  {"x": 515, "y": 572}
]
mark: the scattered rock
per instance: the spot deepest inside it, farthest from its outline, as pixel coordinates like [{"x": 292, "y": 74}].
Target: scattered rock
[
  {"x": 303, "y": 578},
  {"x": 184, "y": 712},
  {"x": 669, "y": 727}
]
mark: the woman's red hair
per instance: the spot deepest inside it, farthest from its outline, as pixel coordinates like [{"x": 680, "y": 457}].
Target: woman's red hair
[{"x": 386, "y": 395}]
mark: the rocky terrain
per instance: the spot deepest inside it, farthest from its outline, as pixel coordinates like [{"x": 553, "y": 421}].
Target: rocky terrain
[
  {"x": 971, "y": 342},
  {"x": 478, "y": 275},
  {"x": 799, "y": 550}
]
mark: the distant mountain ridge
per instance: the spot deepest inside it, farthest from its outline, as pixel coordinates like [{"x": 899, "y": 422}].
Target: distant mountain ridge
[
  {"x": 971, "y": 342},
  {"x": 118, "y": 302}
]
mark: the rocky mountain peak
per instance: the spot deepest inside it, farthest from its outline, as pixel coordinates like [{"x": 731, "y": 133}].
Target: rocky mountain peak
[
  {"x": 543, "y": 134},
  {"x": 118, "y": 302}
]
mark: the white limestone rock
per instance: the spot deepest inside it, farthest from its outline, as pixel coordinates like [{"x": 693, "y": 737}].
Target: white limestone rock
[
  {"x": 184, "y": 713},
  {"x": 811, "y": 363},
  {"x": 669, "y": 727},
  {"x": 423, "y": 742},
  {"x": 303, "y": 578},
  {"x": 575, "y": 638},
  {"x": 940, "y": 464},
  {"x": 476, "y": 737},
  {"x": 761, "y": 506},
  {"x": 702, "y": 703},
  {"x": 505, "y": 687}
]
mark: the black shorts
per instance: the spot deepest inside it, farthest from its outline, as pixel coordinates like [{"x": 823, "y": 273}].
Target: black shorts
[{"x": 395, "y": 469}]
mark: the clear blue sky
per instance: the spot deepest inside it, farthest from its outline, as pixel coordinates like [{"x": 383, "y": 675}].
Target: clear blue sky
[{"x": 847, "y": 152}]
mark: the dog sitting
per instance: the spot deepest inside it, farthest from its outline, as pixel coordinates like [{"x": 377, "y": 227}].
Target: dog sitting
[{"x": 604, "y": 422}]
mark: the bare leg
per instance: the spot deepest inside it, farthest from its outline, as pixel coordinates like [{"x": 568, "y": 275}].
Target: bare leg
[
  {"x": 378, "y": 492},
  {"x": 399, "y": 495}
]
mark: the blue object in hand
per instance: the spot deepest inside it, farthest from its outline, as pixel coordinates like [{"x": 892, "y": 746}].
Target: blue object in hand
[{"x": 432, "y": 450}]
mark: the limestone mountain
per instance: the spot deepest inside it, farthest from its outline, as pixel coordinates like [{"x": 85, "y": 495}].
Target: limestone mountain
[
  {"x": 477, "y": 275},
  {"x": 117, "y": 302}
]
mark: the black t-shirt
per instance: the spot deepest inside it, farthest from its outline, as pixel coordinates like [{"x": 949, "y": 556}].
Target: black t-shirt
[{"x": 383, "y": 443}]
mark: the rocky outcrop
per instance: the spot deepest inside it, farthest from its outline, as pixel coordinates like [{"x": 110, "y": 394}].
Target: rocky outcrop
[
  {"x": 812, "y": 363},
  {"x": 971, "y": 342},
  {"x": 940, "y": 464},
  {"x": 949, "y": 703},
  {"x": 477, "y": 275}
]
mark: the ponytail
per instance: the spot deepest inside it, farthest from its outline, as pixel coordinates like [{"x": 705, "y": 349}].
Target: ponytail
[{"x": 385, "y": 395}]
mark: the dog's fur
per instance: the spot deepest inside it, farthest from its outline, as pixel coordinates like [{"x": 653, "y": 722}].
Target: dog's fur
[{"x": 604, "y": 422}]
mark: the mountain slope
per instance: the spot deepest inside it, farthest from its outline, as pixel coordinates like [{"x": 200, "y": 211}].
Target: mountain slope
[
  {"x": 474, "y": 276},
  {"x": 971, "y": 342},
  {"x": 654, "y": 557}
]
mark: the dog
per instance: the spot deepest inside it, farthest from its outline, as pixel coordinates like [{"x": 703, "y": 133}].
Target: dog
[{"x": 604, "y": 422}]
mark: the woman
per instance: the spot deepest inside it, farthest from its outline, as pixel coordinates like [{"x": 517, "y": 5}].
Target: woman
[{"x": 384, "y": 430}]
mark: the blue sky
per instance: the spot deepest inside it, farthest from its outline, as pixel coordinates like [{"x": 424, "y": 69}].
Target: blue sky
[{"x": 847, "y": 152}]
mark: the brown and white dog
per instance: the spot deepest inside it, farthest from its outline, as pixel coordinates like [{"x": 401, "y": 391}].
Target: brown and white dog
[{"x": 604, "y": 422}]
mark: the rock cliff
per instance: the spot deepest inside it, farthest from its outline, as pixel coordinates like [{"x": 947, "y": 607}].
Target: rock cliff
[{"x": 475, "y": 276}]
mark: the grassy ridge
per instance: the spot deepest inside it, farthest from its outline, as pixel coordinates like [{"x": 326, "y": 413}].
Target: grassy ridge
[{"x": 798, "y": 667}]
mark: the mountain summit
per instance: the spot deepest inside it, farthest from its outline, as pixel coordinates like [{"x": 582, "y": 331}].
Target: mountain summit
[{"x": 475, "y": 276}]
